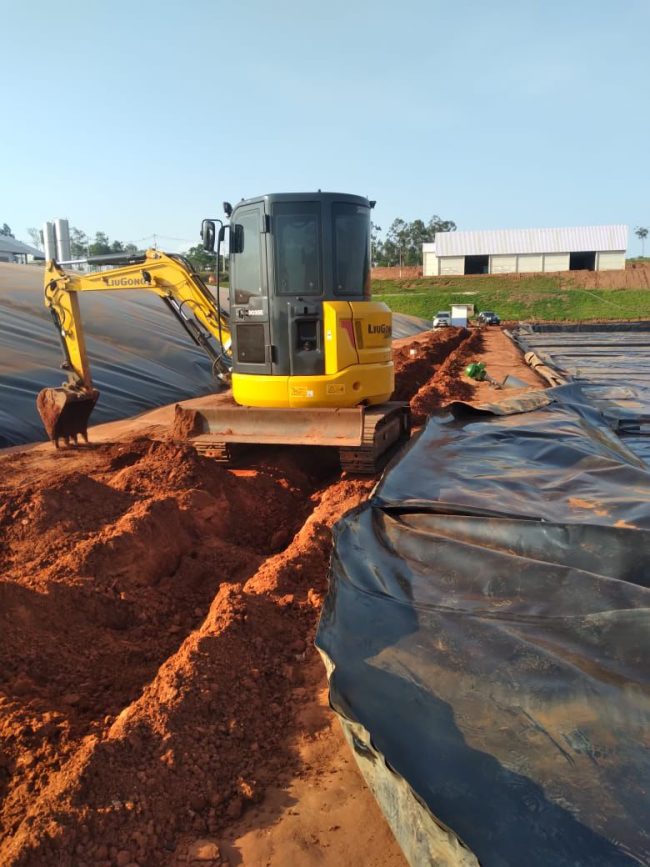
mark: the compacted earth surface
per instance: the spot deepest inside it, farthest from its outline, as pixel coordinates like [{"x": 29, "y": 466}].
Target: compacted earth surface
[{"x": 161, "y": 702}]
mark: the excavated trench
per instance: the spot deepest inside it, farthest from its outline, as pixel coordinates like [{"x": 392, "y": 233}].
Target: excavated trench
[{"x": 155, "y": 613}]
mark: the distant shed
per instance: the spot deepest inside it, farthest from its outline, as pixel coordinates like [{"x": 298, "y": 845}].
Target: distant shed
[
  {"x": 460, "y": 313},
  {"x": 530, "y": 251},
  {"x": 12, "y": 250}
]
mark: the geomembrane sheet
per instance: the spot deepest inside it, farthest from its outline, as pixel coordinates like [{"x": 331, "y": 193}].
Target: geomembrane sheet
[{"x": 487, "y": 627}]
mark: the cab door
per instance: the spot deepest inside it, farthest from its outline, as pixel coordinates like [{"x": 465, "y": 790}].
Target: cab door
[
  {"x": 249, "y": 296},
  {"x": 297, "y": 314}
]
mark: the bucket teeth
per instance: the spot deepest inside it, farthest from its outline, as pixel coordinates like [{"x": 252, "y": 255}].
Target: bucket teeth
[{"x": 65, "y": 413}]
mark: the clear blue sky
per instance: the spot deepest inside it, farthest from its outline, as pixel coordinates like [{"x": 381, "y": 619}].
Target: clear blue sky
[{"x": 142, "y": 117}]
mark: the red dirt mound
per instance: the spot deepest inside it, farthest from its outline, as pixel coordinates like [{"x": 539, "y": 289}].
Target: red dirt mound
[
  {"x": 207, "y": 734},
  {"x": 156, "y": 612},
  {"x": 416, "y": 362},
  {"x": 447, "y": 383},
  {"x": 105, "y": 572}
]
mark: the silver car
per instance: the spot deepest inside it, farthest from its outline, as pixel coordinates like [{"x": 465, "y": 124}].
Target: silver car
[{"x": 442, "y": 319}]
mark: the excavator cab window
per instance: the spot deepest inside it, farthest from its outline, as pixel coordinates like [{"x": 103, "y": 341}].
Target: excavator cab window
[
  {"x": 351, "y": 249},
  {"x": 237, "y": 238},
  {"x": 247, "y": 261},
  {"x": 296, "y": 235}
]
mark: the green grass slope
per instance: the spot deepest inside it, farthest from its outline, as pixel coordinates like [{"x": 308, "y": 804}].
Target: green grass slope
[{"x": 533, "y": 297}]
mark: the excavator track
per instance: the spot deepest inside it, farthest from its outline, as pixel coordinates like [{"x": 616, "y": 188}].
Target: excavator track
[
  {"x": 366, "y": 437},
  {"x": 385, "y": 429}
]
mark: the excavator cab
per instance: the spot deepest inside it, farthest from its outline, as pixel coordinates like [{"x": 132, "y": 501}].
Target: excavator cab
[{"x": 304, "y": 330}]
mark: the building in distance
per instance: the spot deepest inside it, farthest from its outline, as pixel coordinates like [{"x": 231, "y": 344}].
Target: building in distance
[
  {"x": 12, "y": 250},
  {"x": 526, "y": 251}
]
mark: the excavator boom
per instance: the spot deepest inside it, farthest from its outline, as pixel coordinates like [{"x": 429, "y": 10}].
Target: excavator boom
[{"x": 65, "y": 411}]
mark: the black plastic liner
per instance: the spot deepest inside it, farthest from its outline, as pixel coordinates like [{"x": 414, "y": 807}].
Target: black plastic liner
[
  {"x": 487, "y": 625},
  {"x": 591, "y": 327},
  {"x": 140, "y": 356},
  {"x": 611, "y": 360}
]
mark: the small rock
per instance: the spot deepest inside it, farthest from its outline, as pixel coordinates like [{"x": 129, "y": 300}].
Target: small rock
[
  {"x": 235, "y": 808},
  {"x": 139, "y": 838},
  {"x": 314, "y": 598},
  {"x": 297, "y": 646},
  {"x": 123, "y": 858},
  {"x": 280, "y": 539},
  {"x": 197, "y": 802},
  {"x": 203, "y": 850},
  {"x": 199, "y": 824},
  {"x": 71, "y": 699}
]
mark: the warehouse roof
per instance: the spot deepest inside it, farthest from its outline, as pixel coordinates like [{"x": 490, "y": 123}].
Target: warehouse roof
[
  {"x": 504, "y": 241},
  {"x": 11, "y": 245}
]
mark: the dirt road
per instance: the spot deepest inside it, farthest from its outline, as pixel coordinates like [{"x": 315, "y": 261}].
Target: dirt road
[{"x": 161, "y": 702}]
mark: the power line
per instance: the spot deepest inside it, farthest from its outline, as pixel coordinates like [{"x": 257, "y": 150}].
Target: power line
[{"x": 166, "y": 237}]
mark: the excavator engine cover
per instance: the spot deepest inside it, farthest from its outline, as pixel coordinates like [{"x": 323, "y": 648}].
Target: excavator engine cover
[{"x": 65, "y": 413}]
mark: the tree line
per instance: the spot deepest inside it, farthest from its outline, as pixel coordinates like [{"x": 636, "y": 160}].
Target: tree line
[
  {"x": 402, "y": 244},
  {"x": 81, "y": 245}
]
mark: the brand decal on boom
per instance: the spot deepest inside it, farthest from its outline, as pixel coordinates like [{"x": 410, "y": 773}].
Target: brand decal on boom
[{"x": 126, "y": 281}]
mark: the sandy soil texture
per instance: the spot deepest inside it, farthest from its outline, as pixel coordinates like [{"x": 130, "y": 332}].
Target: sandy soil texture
[
  {"x": 161, "y": 702},
  {"x": 635, "y": 276}
]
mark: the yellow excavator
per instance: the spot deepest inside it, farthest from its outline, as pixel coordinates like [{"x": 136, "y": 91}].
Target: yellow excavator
[{"x": 307, "y": 353}]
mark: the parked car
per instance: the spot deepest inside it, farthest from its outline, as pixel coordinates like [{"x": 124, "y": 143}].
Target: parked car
[
  {"x": 442, "y": 319},
  {"x": 488, "y": 317}
]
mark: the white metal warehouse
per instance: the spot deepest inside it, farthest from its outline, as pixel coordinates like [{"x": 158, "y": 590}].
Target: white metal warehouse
[{"x": 510, "y": 251}]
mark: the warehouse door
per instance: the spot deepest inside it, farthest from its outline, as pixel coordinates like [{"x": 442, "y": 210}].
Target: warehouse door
[
  {"x": 582, "y": 262},
  {"x": 476, "y": 265}
]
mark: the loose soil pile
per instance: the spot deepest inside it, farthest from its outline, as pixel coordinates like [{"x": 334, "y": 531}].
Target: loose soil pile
[
  {"x": 433, "y": 365},
  {"x": 447, "y": 383},
  {"x": 417, "y": 361},
  {"x": 156, "y": 609},
  {"x": 106, "y": 574}
]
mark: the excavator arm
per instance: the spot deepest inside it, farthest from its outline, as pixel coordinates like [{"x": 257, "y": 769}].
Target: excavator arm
[{"x": 65, "y": 411}]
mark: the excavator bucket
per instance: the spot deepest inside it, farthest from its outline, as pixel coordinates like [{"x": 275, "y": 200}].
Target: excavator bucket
[
  {"x": 365, "y": 437},
  {"x": 65, "y": 413}
]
